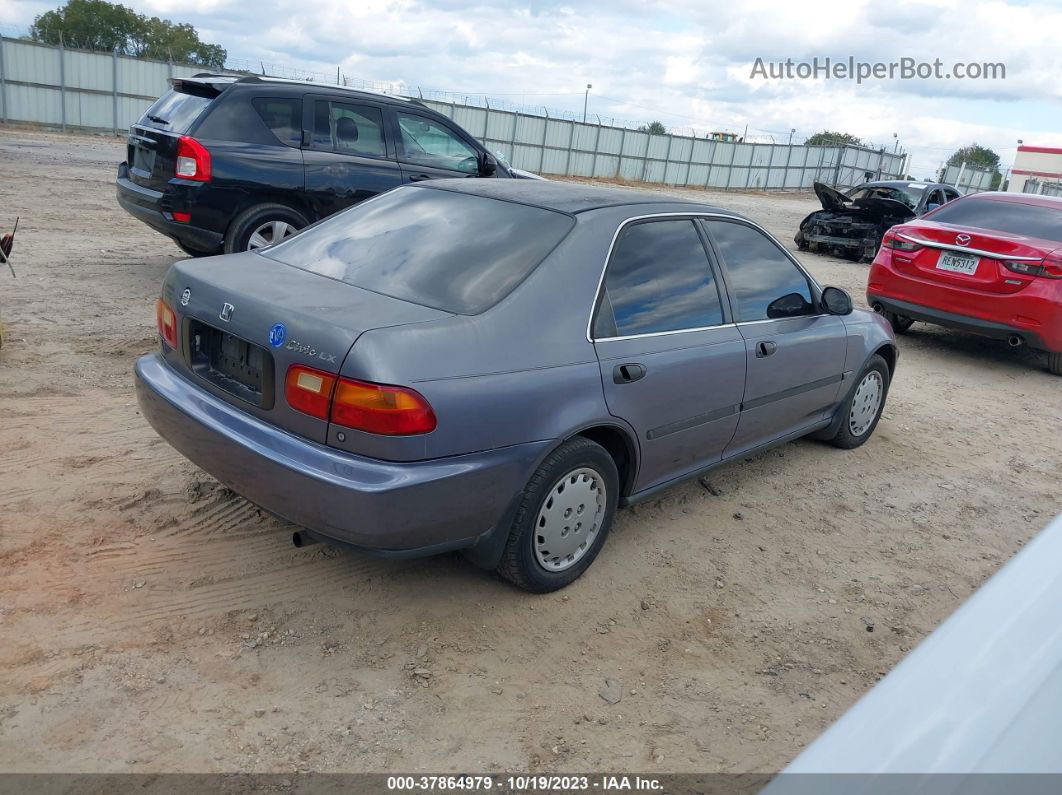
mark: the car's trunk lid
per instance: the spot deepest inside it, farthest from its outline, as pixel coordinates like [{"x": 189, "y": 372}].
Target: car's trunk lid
[
  {"x": 152, "y": 145},
  {"x": 969, "y": 257},
  {"x": 245, "y": 320}
]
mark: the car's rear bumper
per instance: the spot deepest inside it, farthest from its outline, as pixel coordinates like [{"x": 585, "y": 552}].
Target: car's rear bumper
[
  {"x": 985, "y": 328},
  {"x": 150, "y": 206},
  {"x": 404, "y": 509}
]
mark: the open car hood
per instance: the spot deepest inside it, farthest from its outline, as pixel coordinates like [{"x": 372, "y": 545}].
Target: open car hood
[{"x": 831, "y": 199}]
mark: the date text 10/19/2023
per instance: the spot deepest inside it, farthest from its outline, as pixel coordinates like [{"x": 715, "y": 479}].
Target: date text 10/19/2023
[{"x": 520, "y": 784}]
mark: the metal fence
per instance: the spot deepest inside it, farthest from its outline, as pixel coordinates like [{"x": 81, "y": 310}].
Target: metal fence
[
  {"x": 967, "y": 178},
  {"x": 100, "y": 91}
]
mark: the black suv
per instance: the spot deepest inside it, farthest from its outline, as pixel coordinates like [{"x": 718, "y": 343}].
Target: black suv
[{"x": 223, "y": 163}]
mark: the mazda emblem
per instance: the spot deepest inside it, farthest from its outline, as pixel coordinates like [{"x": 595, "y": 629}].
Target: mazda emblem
[{"x": 962, "y": 240}]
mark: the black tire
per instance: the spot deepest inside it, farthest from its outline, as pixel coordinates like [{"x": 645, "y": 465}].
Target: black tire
[
  {"x": 845, "y": 438},
  {"x": 195, "y": 252},
  {"x": 801, "y": 241},
  {"x": 1054, "y": 363},
  {"x": 899, "y": 323},
  {"x": 519, "y": 563},
  {"x": 246, "y": 223}
]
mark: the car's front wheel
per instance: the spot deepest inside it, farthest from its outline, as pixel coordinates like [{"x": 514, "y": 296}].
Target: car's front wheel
[
  {"x": 564, "y": 516},
  {"x": 863, "y": 407},
  {"x": 1054, "y": 363},
  {"x": 261, "y": 226}
]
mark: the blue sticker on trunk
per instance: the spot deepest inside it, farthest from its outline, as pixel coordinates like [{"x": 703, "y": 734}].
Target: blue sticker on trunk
[{"x": 277, "y": 335}]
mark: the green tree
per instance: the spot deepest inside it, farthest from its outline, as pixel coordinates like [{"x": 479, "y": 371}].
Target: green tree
[
  {"x": 654, "y": 128},
  {"x": 833, "y": 138},
  {"x": 980, "y": 157},
  {"x": 99, "y": 25}
]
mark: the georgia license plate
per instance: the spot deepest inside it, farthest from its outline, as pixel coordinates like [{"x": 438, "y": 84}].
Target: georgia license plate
[{"x": 957, "y": 263}]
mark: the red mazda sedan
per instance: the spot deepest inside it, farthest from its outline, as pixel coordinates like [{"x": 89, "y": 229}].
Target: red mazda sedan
[{"x": 990, "y": 263}]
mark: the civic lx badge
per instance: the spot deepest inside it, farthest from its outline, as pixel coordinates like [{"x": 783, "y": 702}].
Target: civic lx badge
[
  {"x": 226, "y": 312},
  {"x": 186, "y": 296},
  {"x": 962, "y": 240}
]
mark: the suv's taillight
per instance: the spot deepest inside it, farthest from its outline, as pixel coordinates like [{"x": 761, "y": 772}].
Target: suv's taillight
[
  {"x": 193, "y": 160},
  {"x": 167, "y": 323},
  {"x": 373, "y": 408},
  {"x": 1049, "y": 268}
]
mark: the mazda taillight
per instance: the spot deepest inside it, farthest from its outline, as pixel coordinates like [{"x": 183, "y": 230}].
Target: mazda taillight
[
  {"x": 193, "y": 160},
  {"x": 899, "y": 244},
  {"x": 358, "y": 405},
  {"x": 167, "y": 323},
  {"x": 1049, "y": 268}
]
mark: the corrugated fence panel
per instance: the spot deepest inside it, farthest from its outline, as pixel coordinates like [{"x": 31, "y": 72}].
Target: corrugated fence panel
[{"x": 101, "y": 92}]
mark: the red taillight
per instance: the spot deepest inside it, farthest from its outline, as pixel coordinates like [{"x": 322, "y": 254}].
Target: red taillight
[
  {"x": 309, "y": 391},
  {"x": 167, "y": 323},
  {"x": 1049, "y": 268},
  {"x": 897, "y": 243},
  {"x": 387, "y": 410},
  {"x": 182, "y": 218},
  {"x": 373, "y": 408},
  {"x": 193, "y": 160}
]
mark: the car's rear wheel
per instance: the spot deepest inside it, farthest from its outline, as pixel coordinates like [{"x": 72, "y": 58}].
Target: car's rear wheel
[
  {"x": 563, "y": 519},
  {"x": 899, "y": 323},
  {"x": 195, "y": 252},
  {"x": 261, "y": 226},
  {"x": 1054, "y": 363},
  {"x": 863, "y": 407}
]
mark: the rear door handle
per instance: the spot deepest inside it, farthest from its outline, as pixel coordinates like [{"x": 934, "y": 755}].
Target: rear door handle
[
  {"x": 765, "y": 349},
  {"x": 419, "y": 177},
  {"x": 627, "y": 373}
]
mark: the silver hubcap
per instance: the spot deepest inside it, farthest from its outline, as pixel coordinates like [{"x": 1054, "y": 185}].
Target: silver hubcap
[
  {"x": 865, "y": 403},
  {"x": 569, "y": 519},
  {"x": 269, "y": 233}
]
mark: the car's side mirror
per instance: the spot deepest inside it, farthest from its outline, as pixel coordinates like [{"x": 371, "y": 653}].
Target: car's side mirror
[
  {"x": 790, "y": 305},
  {"x": 488, "y": 164},
  {"x": 836, "y": 301}
]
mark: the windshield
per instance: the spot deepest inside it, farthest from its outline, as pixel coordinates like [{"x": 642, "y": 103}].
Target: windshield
[
  {"x": 1015, "y": 218},
  {"x": 175, "y": 111},
  {"x": 438, "y": 248},
  {"x": 908, "y": 195}
]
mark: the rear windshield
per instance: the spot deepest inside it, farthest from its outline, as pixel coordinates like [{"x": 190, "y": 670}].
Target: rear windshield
[
  {"x": 1014, "y": 218},
  {"x": 450, "y": 251},
  {"x": 175, "y": 111}
]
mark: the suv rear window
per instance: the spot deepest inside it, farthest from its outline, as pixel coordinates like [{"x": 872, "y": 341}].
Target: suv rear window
[
  {"x": 175, "y": 111},
  {"x": 450, "y": 251},
  {"x": 282, "y": 116},
  {"x": 1014, "y": 218}
]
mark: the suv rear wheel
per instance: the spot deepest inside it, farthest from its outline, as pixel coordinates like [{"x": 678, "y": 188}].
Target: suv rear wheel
[{"x": 262, "y": 225}]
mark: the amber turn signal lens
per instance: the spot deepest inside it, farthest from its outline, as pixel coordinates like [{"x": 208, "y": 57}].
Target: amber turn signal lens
[{"x": 386, "y": 410}]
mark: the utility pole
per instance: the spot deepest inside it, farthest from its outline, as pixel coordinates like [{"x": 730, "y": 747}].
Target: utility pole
[
  {"x": 586, "y": 98},
  {"x": 791, "y": 132},
  {"x": 896, "y": 144}
]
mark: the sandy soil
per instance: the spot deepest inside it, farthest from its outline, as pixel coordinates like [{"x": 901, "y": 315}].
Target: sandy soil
[{"x": 151, "y": 620}]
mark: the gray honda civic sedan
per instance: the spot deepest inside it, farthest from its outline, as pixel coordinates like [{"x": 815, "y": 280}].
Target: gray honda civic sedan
[{"x": 496, "y": 366}]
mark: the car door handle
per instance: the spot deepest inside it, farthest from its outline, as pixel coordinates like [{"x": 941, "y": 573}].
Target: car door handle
[
  {"x": 627, "y": 373},
  {"x": 765, "y": 349},
  {"x": 419, "y": 177}
]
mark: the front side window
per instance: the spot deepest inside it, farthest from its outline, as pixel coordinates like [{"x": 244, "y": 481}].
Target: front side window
[
  {"x": 764, "y": 282},
  {"x": 430, "y": 143},
  {"x": 348, "y": 129},
  {"x": 658, "y": 279}
]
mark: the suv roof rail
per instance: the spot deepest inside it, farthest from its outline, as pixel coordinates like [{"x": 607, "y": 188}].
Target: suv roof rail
[{"x": 311, "y": 83}]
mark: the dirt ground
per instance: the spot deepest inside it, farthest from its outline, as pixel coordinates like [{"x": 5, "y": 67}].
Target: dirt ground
[{"x": 151, "y": 620}]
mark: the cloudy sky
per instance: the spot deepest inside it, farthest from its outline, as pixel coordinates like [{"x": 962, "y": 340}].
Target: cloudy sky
[{"x": 684, "y": 62}]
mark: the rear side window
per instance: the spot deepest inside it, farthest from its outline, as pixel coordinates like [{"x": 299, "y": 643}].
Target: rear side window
[
  {"x": 1014, "y": 218},
  {"x": 450, "y": 251},
  {"x": 760, "y": 274},
  {"x": 175, "y": 111},
  {"x": 658, "y": 279},
  {"x": 349, "y": 129},
  {"x": 282, "y": 116}
]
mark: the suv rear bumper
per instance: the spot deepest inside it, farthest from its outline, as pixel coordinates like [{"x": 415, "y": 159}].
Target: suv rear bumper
[
  {"x": 401, "y": 509},
  {"x": 150, "y": 206}
]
